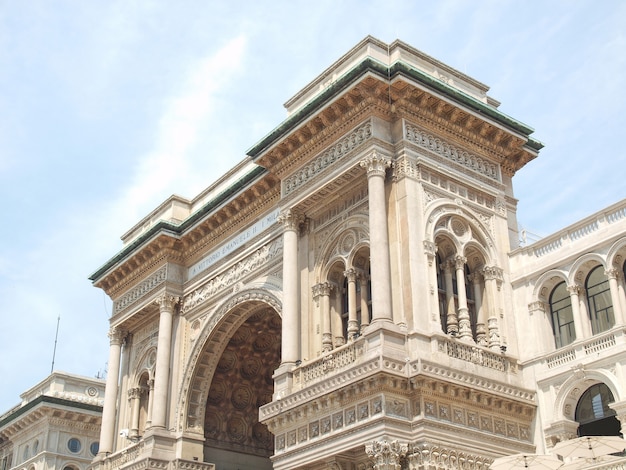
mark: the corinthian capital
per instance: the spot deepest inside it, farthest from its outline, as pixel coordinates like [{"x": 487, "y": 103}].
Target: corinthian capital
[
  {"x": 375, "y": 164},
  {"x": 167, "y": 301},
  {"x": 116, "y": 335},
  {"x": 290, "y": 220},
  {"x": 386, "y": 455}
]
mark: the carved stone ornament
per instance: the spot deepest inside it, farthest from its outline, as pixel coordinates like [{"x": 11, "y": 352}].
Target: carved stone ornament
[
  {"x": 167, "y": 302},
  {"x": 450, "y": 152},
  {"x": 328, "y": 158},
  {"x": 116, "y": 335},
  {"x": 290, "y": 220},
  {"x": 140, "y": 291},
  {"x": 386, "y": 455},
  {"x": 219, "y": 283},
  {"x": 375, "y": 164}
]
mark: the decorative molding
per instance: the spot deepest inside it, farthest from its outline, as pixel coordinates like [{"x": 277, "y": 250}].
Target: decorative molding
[
  {"x": 386, "y": 455},
  {"x": 451, "y": 153},
  {"x": 141, "y": 290},
  {"x": 223, "y": 281},
  {"x": 375, "y": 164},
  {"x": 327, "y": 158}
]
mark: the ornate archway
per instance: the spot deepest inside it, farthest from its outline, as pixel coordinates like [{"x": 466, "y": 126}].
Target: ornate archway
[{"x": 231, "y": 377}]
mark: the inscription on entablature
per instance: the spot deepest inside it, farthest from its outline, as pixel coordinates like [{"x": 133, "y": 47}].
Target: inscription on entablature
[
  {"x": 328, "y": 158},
  {"x": 141, "y": 290},
  {"x": 451, "y": 153},
  {"x": 260, "y": 258}
]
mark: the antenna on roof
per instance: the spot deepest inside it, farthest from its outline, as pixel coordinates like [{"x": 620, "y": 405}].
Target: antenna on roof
[{"x": 56, "y": 337}]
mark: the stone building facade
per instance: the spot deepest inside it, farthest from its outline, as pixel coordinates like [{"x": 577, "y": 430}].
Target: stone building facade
[
  {"x": 56, "y": 426},
  {"x": 353, "y": 294}
]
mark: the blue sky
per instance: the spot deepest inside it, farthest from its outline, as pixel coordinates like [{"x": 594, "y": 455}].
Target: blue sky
[{"x": 107, "y": 108}]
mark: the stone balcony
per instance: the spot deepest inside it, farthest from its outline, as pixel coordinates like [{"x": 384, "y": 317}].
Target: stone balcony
[{"x": 608, "y": 343}]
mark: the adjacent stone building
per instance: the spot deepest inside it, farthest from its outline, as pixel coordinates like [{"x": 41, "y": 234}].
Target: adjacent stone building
[
  {"x": 56, "y": 426},
  {"x": 354, "y": 295}
]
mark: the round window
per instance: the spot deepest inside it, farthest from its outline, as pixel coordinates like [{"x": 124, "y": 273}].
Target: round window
[{"x": 74, "y": 445}]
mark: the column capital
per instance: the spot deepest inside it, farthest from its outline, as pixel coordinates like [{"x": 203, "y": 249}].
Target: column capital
[
  {"x": 135, "y": 393},
  {"x": 476, "y": 277},
  {"x": 290, "y": 220},
  {"x": 574, "y": 289},
  {"x": 350, "y": 274},
  {"x": 537, "y": 306},
  {"x": 612, "y": 273},
  {"x": 459, "y": 262},
  {"x": 322, "y": 289},
  {"x": 493, "y": 273},
  {"x": 167, "y": 301},
  {"x": 430, "y": 248},
  {"x": 386, "y": 455},
  {"x": 116, "y": 335},
  {"x": 375, "y": 164}
]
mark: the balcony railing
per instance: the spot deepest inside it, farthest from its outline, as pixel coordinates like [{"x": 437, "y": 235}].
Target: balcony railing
[
  {"x": 476, "y": 355},
  {"x": 334, "y": 361},
  {"x": 578, "y": 350}
]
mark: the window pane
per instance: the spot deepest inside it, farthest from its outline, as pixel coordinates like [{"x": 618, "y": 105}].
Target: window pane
[
  {"x": 562, "y": 316},
  {"x": 599, "y": 301}
]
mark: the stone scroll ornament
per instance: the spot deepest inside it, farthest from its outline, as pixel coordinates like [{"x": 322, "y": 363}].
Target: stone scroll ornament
[{"x": 386, "y": 455}]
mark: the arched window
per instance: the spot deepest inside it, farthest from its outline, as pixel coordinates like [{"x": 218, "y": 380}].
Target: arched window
[
  {"x": 593, "y": 414},
  {"x": 599, "y": 301},
  {"x": 562, "y": 316}
]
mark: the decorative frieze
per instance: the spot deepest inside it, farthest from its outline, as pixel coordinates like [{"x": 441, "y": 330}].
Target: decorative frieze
[
  {"x": 141, "y": 290},
  {"x": 224, "y": 281},
  {"x": 427, "y": 455},
  {"x": 327, "y": 158},
  {"x": 451, "y": 153}
]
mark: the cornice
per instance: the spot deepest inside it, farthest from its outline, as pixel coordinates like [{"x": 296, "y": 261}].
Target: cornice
[
  {"x": 377, "y": 71},
  {"x": 40, "y": 408},
  {"x": 184, "y": 243}
]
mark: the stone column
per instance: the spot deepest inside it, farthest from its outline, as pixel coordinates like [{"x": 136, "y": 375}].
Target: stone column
[
  {"x": 465, "y": 326},
  {"x": 107, "y": 430},
  {"x": 336, "y": 320},
  {"x": 353, "y": 322},
  {"x": 376, "y": 166},
  {"x": 574, "y": 293},
  {"x": 365, "y": 308},
  {"x": 386, "y": 455},
  {"x": 290, "y": 221},
  {"x": 166, "y": 303},
  {"x": 134, "y": 397},
  {"x": 613, "y": 274},
  {"x": 621, "y": 293},
  {"x": 327, "y": 335},
  {"x": 150, "y": 402},
  {"x": 452, "y": 321},
  {"x": 492, "y": 276},
  {"x": 481, "y": 320}
]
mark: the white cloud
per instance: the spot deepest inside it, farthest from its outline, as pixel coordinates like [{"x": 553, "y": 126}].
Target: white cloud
[{"x": 179, "y": 129}]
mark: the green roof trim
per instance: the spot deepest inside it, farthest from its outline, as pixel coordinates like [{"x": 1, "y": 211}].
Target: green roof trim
[
  {"x": 398, "y": 68},
  {"x": 51, "y": 401},
  {"x": 175, "y": 230}
]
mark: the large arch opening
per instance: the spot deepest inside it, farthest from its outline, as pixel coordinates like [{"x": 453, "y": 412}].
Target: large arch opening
[
  {"x": 241, "y": 383},
  {"x": 593, "y": 414}
]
